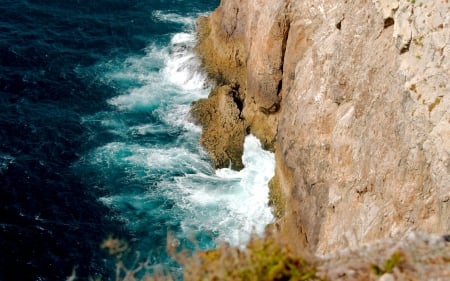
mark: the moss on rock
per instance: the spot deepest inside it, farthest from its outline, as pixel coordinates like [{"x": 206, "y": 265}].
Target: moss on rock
[{"x": 276, "y": 197}]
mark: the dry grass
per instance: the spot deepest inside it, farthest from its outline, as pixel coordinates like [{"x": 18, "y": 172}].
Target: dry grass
[
  {"x": 414, "y": 257},
  {"x": 261, "y": 260}
]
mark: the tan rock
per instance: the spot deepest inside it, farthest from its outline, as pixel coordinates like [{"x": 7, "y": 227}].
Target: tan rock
[
  {"x": 363, "y": 124},
  {"x": 224, "y": 130},
  {"x": 227, "y": 55},
  {"x": 221, "y": 44}
]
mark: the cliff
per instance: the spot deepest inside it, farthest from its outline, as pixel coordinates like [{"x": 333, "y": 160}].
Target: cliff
[{"x": 353, "y": 97}]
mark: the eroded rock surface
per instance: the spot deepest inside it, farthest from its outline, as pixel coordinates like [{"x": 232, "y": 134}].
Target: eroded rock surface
[
  {"x": 357, "y": 96},
  {"x": 243, "y": 43},
  {"x": 224, "y": 130}
]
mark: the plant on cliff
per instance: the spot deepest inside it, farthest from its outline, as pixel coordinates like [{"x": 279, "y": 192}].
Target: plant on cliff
[
  {"x": 416, "y": 257},
  {"x": 389, "y": 264},
  {"x": 276, "y": 198},
  {"x": 263, "y": 259},
  {"x": 136, "y": 270}
]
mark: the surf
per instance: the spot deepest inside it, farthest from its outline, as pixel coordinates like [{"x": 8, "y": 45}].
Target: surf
[{"x": 158, "y": 88}]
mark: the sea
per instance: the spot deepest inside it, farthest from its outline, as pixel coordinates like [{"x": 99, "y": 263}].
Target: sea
[{"x": 96, "y": 140}]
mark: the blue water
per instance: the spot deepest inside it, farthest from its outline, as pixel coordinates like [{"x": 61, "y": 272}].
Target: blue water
[{"x": 96, "y": 139}]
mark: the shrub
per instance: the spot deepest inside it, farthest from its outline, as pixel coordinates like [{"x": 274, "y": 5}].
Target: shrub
[{"x": 263, "y": 259}]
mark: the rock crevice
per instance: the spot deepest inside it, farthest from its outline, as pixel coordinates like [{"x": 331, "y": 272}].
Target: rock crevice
[{"x": 354, "y": 99}]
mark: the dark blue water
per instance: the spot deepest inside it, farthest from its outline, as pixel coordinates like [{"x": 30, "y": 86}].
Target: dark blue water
[{"x": 59, "y": 73}]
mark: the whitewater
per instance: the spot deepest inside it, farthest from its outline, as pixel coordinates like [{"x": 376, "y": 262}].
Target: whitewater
[
  {"x": 168, "y": 183},
  {"x": 96, "y": 139}
]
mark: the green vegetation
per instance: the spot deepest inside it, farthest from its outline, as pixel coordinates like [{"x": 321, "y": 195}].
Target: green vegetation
[
  {"x": 269, "y": 259},
  {"x": 262, "y": 260},
  {"x": 436, "y": 102},
  {"x": 276, "y": 197},
  {"x": 418, "y": 40},
  {"x": 389, "y": 264}
]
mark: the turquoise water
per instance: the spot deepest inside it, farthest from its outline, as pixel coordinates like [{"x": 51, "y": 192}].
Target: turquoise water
[{"x": 96, "y": 139}]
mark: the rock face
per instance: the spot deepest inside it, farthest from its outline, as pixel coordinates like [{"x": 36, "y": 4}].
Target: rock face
[
  {"x": 223, "y": 128},
  {"x": 236, "y": 50},
  {"x": 355, "y": 98}
]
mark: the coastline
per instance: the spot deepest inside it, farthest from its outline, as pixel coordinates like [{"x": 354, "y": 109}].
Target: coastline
[{"x": 321, "y": 84}]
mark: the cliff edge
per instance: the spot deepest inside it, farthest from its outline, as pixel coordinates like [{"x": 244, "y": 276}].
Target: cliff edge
[{"x": 353, "y": 97}]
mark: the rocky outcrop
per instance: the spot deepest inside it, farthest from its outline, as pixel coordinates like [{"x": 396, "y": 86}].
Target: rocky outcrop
[
  {"x": 414, "y": 257},
  {"x": 365, "y": 146},
  {"x": 236, "y": 50},
  {"x": 224, "y": 130},
  {"x": 356, "y": 94}
]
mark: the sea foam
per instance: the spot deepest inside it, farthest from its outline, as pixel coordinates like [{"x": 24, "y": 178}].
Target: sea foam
[{"x": 170, "y": 184}]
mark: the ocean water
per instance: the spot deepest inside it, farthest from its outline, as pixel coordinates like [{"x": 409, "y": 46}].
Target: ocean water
[{"x": 96, "y": 139}]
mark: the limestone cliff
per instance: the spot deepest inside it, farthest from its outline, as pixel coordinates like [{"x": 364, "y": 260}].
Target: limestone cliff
[{"x": 355, "y": 97}]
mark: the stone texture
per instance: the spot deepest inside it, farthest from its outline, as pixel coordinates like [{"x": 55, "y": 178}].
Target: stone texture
[
  {"x": 365, "y": 161},
  {"x": 224, "y": 130},
  {"x": 361, "y": 113},
  {"x": 235, "y": 49},
  {"x": 419, "y": 257}
]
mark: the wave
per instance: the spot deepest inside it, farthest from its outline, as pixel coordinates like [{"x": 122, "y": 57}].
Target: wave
[
  {"x": 156, "y": 175},
  {"x": 163, "y": 16},
  {"x": 230, "y": 203},
  {"x": 183, "y": 67}
]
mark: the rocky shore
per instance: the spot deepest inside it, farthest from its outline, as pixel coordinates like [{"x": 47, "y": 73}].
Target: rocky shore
[{"x": 353, "y": 97}]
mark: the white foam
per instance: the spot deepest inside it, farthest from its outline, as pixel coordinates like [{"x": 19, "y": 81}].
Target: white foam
[
  {"x": 143, "y": 98},
  {"x": 182, "y": 66},
  {"x": 135, "y": 69},
  {"x": 164, "y": 82},
  {"x": 152, "y": 159},
  {"x": 141, "y": 77},
  {"x": 148, "y": 129},
  {"x": 165, "y": 75},
  {"x": 5, "y": 161},
  {"x": 233, "y": 204},
  {"x": 183, "y": 38},
  {"x": 173, "y": 18}
]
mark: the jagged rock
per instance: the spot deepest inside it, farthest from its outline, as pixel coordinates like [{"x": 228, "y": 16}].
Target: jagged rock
[
  {"x": 229, "y": 59},
  {"x": 387, "y": 8},
  {"x": 363, "y": 124},
  {"x": 224, "y": 130}
]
